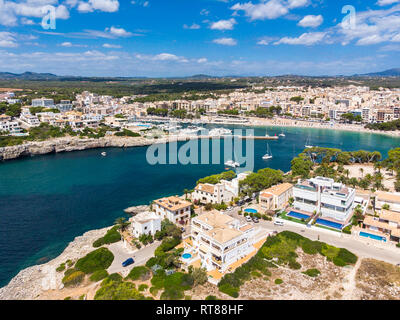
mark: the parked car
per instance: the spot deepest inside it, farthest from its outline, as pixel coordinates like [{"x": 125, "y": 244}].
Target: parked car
[
  {"x": 128, "y": 262},
  {"x": 183, "y": 229},
  {"x": 278, "y": 223},
  {"x": 255, "y": 220},
  {"x": 249, "y": 219}
]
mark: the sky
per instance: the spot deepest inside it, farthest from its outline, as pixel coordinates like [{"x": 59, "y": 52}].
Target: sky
[{"x": 167, "y": 38}]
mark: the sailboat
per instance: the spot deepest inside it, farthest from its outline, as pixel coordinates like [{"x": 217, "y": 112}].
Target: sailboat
[
  {"x": 282, "y": 134},
  {"x": 231, "y": 163},
  {"x": 268, "y": 155},
  {"x": 308, "y": 143}
]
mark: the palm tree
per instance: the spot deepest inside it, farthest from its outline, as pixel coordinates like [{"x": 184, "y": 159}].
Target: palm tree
[
  {"x": 121, "y": 223},
  {"x": 346, "y": 172},
  {"x": 362, "y": 172},
  {"x": 185, "y": 191},
  {"x": 378, "y": 166}
]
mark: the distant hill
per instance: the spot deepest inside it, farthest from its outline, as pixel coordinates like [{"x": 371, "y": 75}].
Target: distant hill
[
  {"x": 28, "y": 76},
  {"x": 387, "y": 73}
]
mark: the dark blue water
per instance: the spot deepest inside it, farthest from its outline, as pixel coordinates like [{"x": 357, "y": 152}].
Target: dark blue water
[{"x": 46, "y": 201}]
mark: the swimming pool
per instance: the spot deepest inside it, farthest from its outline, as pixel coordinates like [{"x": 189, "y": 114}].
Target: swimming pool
[
  {"x": 329, "y": 224},
  {"x": 249, "y": 210},
  {"x": 372, "y": 236},
  {"x": 298, "y": 215},
  {"x": 186, "y": 256}
]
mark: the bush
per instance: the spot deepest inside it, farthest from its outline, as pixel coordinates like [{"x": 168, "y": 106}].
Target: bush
[
  {"x": 95, "y": 260},
  {"x": 118, "y": 291},
  {"x": 229, "y": 290},
  {"x": 73, "y": 279},
  {"x": 312, "y": 273},
  {"x": 347, "y": 256},
  {"x": 398, "y": 245},
  {"x": 339, "y": 262},
  {"x": 143, "y": 287},
  {"x": 172, "y": 294},
  {"x": 98, "y": 275},
  {"x": 294, "y": 265},
  {"x": 111, "y": 236},
  {"x": 154, "y": 291},
  {"x": 61, "y": 268},
  {"x": 278, "y": 281},
  {"x": 211, "y": 298},
  {"x": 137, "y": 273}
]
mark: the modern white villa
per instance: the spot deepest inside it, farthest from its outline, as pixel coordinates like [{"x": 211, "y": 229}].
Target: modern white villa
[
  {"x": 174, "y": 209},
  {"x": 145, "y": 223},
  {"x": 326, "y": 197},
  {"x": 224, "y": 191},
  {"x": 221, "y": 240}
]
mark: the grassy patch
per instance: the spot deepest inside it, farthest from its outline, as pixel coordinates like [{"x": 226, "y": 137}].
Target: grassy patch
[
  {"x": 96, "y": 260},
  {"x": 98, "y": 275},
  {"x": 139, "y": 273},
  {"x": 312, "y": 273},
  {"x": 278, "y": 281}
]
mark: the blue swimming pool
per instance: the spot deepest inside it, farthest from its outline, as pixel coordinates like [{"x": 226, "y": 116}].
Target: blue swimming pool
[
  {"x": 186, "y": 256},
  {"x": 329, "y": 224},
  {"x": 298, "y": 215},
  {"x": 372, "y": 236},
  {"x": 250, "y": 210}
]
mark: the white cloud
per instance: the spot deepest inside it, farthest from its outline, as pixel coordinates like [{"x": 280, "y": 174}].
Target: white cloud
[
  {"x": 226, "y": 41},
  {"x": 298, "y": 3},
  {"x": 111, "y": 46},
  {"x": 311, "y": 21},
  {"x": 66, "y": 44},
  {"x": 269, "y": 10},
  {"x": 204, "y": 12},
  {"x": 7, "y": 40},
  {"x": 194, "y": 26},
  {"x": 119, "y": 32},
  {"x": 223, "y": 24},
  {"x": 386, "y": 2},
  {"x": 202, "y": 60},
  {"x": 100, "y": 5},
  {"x": 306, "y": 39}
]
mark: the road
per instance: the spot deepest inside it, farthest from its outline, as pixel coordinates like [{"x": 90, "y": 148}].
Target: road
[
  {"x": 362, "y": 248},
  {"x": 121, "y": 254}
]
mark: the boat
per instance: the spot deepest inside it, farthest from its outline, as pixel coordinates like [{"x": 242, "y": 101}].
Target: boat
[
  {"x": 282, "y": 134},
  {"x": 233, "y": 164},
  {"x": 308, "y": 145},
  {"x": 268, "y": 155},
  {"x": 219, "y": 132},
  {"x": 104, "y": 154}
]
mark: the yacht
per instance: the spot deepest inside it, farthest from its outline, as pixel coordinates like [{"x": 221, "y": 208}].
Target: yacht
[
  {"x": 282, "y": 134},
  {"x": 233, "y": 164},
  {"x": 219, "y": 132},
  {"x": 268, "y": 155},
  {"x": 104, "y": 154}
]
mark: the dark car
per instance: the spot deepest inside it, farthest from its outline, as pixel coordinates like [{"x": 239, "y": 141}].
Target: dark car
[
  {"x": 128, "y": 262},
  {"x": 255, "y": 220}
]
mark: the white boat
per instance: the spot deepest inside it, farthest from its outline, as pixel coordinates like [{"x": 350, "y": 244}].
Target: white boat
[
  {"x": 233, "y": 164},
  {"x": 268, "y": 155},
  {"x": 104, "y": 154},
  {"x": 219, "y": 132},
  {"x": 282, "y": 135}
]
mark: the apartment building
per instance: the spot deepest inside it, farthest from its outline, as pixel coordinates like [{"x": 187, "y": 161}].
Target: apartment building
[
  {"x": 145, "y": 223},
  {"x": 221, "y": 240},
  {"x": 174, "y": 209},
  {"x": 43, "y": 102},
  {"x": 7, "y": 125},
  {"x": 392, "y": 199},
  {"x": 324, "y": 196},
  {"x": 276, "y": 197}
]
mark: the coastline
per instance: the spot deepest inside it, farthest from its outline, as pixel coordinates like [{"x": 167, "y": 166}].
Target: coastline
[
  {"x": 33, "y": 281},
  {"x": 68, "y": 144}
]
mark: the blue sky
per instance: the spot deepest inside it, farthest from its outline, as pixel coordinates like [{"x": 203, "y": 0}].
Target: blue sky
[{"x": 216, "y": 37}]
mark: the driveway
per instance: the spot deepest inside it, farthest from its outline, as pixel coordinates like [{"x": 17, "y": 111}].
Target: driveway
[{"x": 121, "y": 254}]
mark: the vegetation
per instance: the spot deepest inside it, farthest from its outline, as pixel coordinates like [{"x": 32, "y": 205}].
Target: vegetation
[
  {"x": 278, "y": 281},
  {"x": 73, "y": 277},
  {"x": 385, "y": 126},
  {"x": 127, "y": 133},
  {"x": 111, "y": 236},
  {"x": 264, "y": 178},
  {"x": 312, "y": 272},
  {"x": 139, "y": 273},
  {"x": 282, "y": 250},
  {"x": 96, "y": 260},
  {"x": 216, "y": 178},
  {"x": 118, "y": 290},
  {"x": 98, "y": 275}
]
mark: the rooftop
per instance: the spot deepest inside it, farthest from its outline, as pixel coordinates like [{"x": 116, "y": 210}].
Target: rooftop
[
  {"x": 277, "y": 190},
  {"x": 173, "y": 203}
]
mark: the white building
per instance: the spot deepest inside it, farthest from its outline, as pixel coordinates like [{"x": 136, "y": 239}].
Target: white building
[
  {"x": 276, "y": 197},
  {"x": 28, "y": 120},
  {"x": 174, "y": 209},
  {"x": 221, "y": 240},
  {"x": 145, "y": 223},
  {"x": 11, "y": 127},
  {"x": 324, "y": 196},
  {"x": 43, "y": 102}
]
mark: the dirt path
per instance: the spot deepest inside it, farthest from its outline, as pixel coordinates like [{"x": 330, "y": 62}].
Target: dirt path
[{"x": 349, "y": 283}]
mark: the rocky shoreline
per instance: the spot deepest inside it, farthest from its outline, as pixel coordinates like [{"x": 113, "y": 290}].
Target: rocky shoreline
[{"x": 31, "y": 282}]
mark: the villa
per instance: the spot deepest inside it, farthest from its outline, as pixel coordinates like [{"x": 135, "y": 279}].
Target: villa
[
  {"x": 224, "y": 191},
  {"x": 145, "y": 223},
  {"x": 386, "y": 226},
  {"x": 324, "y": 196},
  {"x": 174, "y": 209},
  {"x": 220, "y": 240},
  {"x": 392, "y": 199},
  {"x": 276, "y": 197}
]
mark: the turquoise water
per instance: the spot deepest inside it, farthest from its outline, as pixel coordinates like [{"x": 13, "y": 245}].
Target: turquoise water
[
  {"x": 186, "y": 256},
  {"x": 372, "y": 236},
  {"x": 46, "y": 201},
  {"x": 250, "y": 210}
]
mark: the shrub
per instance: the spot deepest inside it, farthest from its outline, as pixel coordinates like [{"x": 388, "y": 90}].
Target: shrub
[
  {"x": 398, "y": 245},
  {"x": 211, "y": 298},
  {"x": 111, "y": 236},
  {"x": 142, "y": 273},
  {"x": 229, "y": 290},
  {"x": 339, "y": 262},
  {"x": 118, "y": 291},
  {"x": 95, "y": 260},
  {"x": 143, "y": 287},
  {"x": 347, "y": 256},
  {"x": 256, "y": 274},
  {"x": 61, "y": 268},
  {"x": 154, "y": 291},
  {"x": 347, "y": 230},
  {"x": 188, "y": 297},
  {"x": 73, "y": 279},
  {"x": 312, "y": 272},
  {"x": 172, "y": 294},
  {"x": 278, "y": 281},
  {"x": 294, "y": 265},
  {"x": 98, "y": 275}
]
